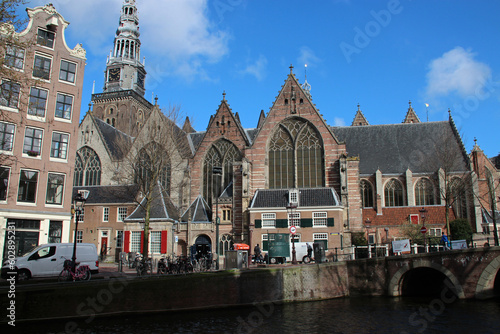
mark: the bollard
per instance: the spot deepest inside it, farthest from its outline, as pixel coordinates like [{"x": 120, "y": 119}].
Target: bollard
[{"x": 120, "y": 266}]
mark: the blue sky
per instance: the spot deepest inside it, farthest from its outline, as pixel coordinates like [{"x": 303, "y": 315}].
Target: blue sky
[{"x": 380, "y": 54}]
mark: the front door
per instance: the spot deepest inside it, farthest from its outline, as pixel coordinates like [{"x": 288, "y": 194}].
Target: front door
[{"x": 104, "y": 247}]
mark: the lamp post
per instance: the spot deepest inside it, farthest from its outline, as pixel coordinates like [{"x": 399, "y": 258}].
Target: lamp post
[
  {"x": 290, "y": 210},
  {"x": 367, "y": 225},
  {"x": 78, "y": 205},
  {"x": 217, "y": 171},
  {"x": 423, "y": 211}
]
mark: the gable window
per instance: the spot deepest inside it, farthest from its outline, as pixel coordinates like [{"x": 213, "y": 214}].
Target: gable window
[
  {"x": 55, "y": 189},
  {"x": 424, "y": 192},
  {"x": 4, "y": 182},
  {"x": 28, "y": 181},
  {"x": 6, "y": 136},
  {"x": 268, "y": 220},
  {"x": 366, "y": 194},
  {"x": 67, "y": 71},
  {"x": 32, "y": 141},
  {"x": 45, "y": 38},
  {"x": 38, "y": 102},
  {"x": 87, "y": 168},
  {"x": 9, "y": 94},
  {"x": 105, "y": 214},
  {"x": 14, "y": 57},
  {"x": 122, "y": 214},
  {"x": 295, "y": 156},
  {"x": 319, "y": 219},
  {"x": 41, "y": 68},
  {"x": 59, "y": 148},
  {"x": 393, "y": 193},
  {"x": 63, "y": 106}
]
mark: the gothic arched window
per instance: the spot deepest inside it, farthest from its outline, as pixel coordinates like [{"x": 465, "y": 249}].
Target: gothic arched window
[
  {"x": 153, "y": 160},
  {"x": 393, "y": 193},
  {"x": 459, "y": 200},
  {"x": 295, "y": 156},
  {"x": 424, "y": 192},
  {"x": 221, "y": 154},
  {"x": 87, "y": 168},
  {"x": 366, "y": 190}
]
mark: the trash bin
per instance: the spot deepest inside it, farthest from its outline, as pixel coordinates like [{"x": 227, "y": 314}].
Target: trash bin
[
  {"x": 236, "y": 259},
  {"x": 319, "y": 252}
]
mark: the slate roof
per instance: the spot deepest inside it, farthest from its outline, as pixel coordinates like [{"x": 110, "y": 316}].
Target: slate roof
[
  {"x": 162, "y": 208},
  {"x": 195, "y": 139},
  {"x": 394, "y": 148},
  {"x": 109, "y": 194},
  {"x": 278, "y": 198},
  {"x": 117, "y": 142},
  {"x": 199, "y": 212}
]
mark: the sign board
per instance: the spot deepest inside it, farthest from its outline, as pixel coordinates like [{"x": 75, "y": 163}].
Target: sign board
[
  {"x": 400, "y": 246},
  {"x": 423, "y": 230},
  {"x": 458, "y": 244},
  {"x": 176, "y": 238},
  {"x": 293, "y": 229}
]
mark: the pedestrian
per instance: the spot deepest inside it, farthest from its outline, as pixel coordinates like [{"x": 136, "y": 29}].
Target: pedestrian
[
  {"x": 257, "y": 253},
  {"x": 444, "y": 241},
  {"x": 309, "y": 250}
]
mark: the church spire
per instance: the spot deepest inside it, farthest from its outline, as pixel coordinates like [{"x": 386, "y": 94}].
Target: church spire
[{"x": 124, "y": 70}]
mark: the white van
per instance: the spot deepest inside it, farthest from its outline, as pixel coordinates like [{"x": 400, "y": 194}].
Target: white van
[{"x": 48, "y": 259}]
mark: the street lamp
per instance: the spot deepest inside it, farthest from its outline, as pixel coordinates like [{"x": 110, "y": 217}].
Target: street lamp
[
  {"x": 78, "y": 205},
  {"x": 217, "y": 171},
  {"x": 367, "y": 225},
  {"x": 291, "y": 209},
  {"x": 423, "y": 211}
]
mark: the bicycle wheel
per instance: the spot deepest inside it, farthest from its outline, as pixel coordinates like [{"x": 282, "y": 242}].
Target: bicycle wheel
[
  {"x": 64, "y": 276},
  {"x": 86, "y": 274}
]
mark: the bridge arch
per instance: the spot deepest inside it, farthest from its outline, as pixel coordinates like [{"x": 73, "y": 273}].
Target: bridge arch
[
  {"x": 486, "y": 282},
  {"x": 395, "y": 284}
]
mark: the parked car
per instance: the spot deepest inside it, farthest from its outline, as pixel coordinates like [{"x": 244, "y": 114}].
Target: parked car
[{"x": 48, "y": 259}]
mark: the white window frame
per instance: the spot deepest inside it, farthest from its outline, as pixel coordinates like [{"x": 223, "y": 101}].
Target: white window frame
[
  {"x": 13, "y": 138},
  {"x": 320, "y": 219},
  {"x": 155, "y": 242},
  {"x": 61, "y": 147},
  {"x": 268, "y": 220},
  {"x": 120, "y": 215},
  {"x": 36, "y": 188},
  {"x": 25, "y": 154},
  {"x": 15, "y": 56},
  {"x": 62, "y": 191},
  {"x": 48, "y": 32},
  {"x": 79, "y": 236},
  {"x": 105, "y": 214},
  {"x": 435, "y": 232},
  {"x": 81, "y": 216},
  {"x": 293, "y": 197},
  {"x": 62, "y": 118},
  {"x": 60, "y": 69},
  {"x": 9, "y": 108},
  {"x": 42, "y": 55},
  {"x": 135, "y": 241},
  {"x": 296, "y": 218},
  {"x": 119, "y": 239},
  {"x": 7, "y": 185}
]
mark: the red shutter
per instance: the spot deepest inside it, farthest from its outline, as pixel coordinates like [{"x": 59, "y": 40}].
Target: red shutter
[
  {"x": 126, "y": 242},
  {"x": 142, "y": 242},
  {"x": 163, "y": 248}
]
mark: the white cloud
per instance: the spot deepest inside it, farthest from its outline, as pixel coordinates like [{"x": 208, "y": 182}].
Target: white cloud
[
  {"x": 456, "y": 71},
  {"x": 337, "y": 121},
  {"x": 307, "y": 56},
  {"x": 257, "y": 68},
  {"x": 176, "y": 34}
]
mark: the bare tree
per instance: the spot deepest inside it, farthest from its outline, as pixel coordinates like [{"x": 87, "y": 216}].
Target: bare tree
[{"x": 157, "y": 163}]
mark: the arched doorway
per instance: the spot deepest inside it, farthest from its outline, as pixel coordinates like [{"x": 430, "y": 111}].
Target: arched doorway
[{"x": 202, "y": 246}]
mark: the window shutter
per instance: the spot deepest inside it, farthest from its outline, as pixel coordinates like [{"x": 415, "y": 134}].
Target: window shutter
[
  {"x": 142, "y": 242},
  {"x": 281, "y": 223},
  {"x": 126, "y": 242},
  {"x": 258, "y": 223},
  {"x": 163, "y": 248},
  {"x": 306, "y": 222},
  {"x": 330, "y": 221}
]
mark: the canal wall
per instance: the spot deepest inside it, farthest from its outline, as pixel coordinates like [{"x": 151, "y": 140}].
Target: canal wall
[{"x": 122, "y": 295}]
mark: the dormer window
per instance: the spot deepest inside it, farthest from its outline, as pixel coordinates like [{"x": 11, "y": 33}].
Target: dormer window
[{"x": 293, "y": 197}]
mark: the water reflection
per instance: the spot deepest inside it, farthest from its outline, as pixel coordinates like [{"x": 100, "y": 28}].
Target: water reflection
[{"x": 350, "y": 315}]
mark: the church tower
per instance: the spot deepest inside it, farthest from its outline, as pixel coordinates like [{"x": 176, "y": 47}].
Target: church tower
[
  {"x": 124, "y": 70},
  {"x": 122, "y": 103}
]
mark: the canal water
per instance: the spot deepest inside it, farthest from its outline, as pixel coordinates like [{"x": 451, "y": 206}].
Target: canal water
[{"x": 349, "y": 315}]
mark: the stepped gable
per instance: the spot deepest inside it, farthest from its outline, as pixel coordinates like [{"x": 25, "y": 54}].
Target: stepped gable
[
  {"x": 411, "y": 116},
  {"x": 394, "y": 148},
  {"x": 198, "y": 212},
  {"x": 162, "y": 208},
  {"x": 359, "y": 119}
]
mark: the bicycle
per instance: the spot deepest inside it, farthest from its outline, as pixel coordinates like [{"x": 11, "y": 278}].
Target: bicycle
[
  {"x": 67, "y": 274},
  {"x": 143, "y": 267}
]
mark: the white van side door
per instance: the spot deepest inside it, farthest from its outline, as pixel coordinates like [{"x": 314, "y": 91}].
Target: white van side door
[{"x": 43, "y": 262}]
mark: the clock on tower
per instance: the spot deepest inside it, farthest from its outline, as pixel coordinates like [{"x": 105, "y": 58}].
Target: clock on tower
[{"x": 114, "y": 74}]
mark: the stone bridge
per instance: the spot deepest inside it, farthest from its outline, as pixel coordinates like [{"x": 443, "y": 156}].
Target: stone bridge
[{"x": 467, "y": 273}]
